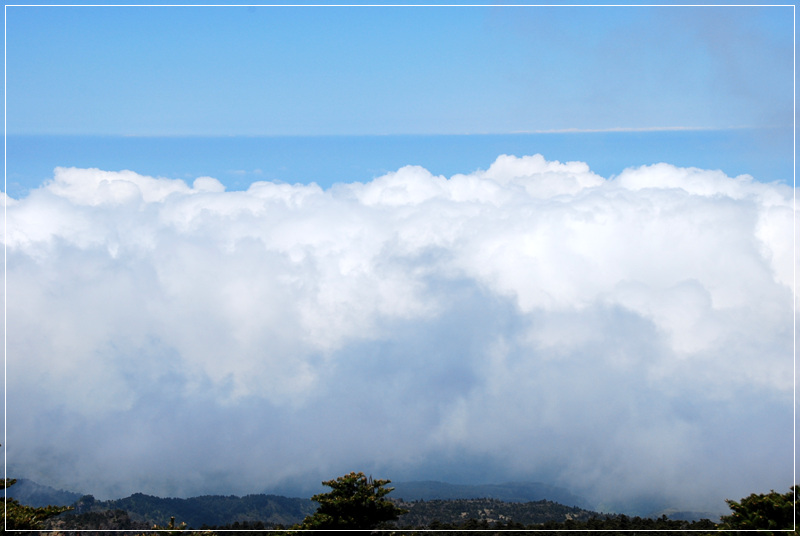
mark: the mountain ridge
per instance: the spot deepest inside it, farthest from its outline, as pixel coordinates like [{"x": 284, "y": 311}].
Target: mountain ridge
[
  {"x": 428, "y": 490},
  {"x": 280, "y": 509}
]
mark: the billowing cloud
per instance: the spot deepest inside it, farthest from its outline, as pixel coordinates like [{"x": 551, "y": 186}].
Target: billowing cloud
[{"x": 629, "y": 338}]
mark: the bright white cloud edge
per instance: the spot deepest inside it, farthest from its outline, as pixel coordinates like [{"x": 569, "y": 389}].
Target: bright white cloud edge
[{"x": 616, "y": 324}]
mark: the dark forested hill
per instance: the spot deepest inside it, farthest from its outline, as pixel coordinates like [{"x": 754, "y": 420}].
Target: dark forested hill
[
  {"x": 429, "y": 504},
  {"x": 509, "y": 492},
  {"x": 31, "y": 493},
  {"x": 204, "y": 510},
  {"x": 108, "y": 521},
  {"x": 425, "y": 513},
  {"x": 141, "y": 511}
]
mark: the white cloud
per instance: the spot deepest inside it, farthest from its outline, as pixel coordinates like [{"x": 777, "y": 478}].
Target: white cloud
[{"x": 531, "y": 303}]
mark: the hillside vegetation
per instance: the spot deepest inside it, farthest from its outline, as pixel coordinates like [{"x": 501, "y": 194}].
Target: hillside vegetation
[
  {"x": 206, "y": 510},
  {"x": 493, "y": 511},
  {"x": 359, "y": 502}
]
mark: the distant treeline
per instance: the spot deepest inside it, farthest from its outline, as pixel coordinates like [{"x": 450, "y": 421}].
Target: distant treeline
[
  {"x": 608, "y": 524},
  {"x": 259, "y": 512},
  {"x": 491, "y": 511},
  {"x": 359, "y": 502},
  {"x": 146, "y": 510}
]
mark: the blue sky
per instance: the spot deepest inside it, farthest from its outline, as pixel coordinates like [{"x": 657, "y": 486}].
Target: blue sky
[{"x": 394, "y": 70}]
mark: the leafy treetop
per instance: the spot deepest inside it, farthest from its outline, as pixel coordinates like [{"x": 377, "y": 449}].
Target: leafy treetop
[
  {"x": 771, "y": 511},
  {"x": 354, "y": 502},
  {"x": 26, "y": 518}
]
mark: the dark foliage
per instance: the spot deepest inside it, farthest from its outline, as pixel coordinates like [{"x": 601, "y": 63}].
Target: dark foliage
[
  {"x": 609, "y": 525},
  {"x": 354, "y": 502},
  {"x": 771, "y": 511},
  {"x": 26, "y": 518},
  {"x": 423, "y": 513},
  {"x": 359, "y": 502},
  {"x": 216, "y": 510},
  {"x": 242, "y": 529},
  {"x": 30, "y": 493},
  {"x": 509, "y": 492},
  {"x": 107, "y": 520}
]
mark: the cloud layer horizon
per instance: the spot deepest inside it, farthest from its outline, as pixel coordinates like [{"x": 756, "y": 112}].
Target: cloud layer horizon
[{"x": 623, "y": 337}]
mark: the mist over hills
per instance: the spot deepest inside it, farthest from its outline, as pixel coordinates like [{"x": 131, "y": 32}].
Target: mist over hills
[
  {"x": 528, "y": 502},
  {"x": 32, "y": 493}
]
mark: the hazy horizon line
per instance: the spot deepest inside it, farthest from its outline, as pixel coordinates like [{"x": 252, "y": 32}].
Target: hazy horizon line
[{"x": 570, "y": 130}]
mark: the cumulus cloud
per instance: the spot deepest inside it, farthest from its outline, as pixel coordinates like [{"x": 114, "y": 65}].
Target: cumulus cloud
[{"x": 625, "y": 337}]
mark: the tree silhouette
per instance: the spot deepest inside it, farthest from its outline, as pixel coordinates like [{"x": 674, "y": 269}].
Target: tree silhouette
[
  {"x": 771, "y": 511},
  {"x": 354, "y": 502},
  {"x": 20, "y": 517}
]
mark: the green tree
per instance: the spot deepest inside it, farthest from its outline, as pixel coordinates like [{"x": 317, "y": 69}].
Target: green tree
[
  {"x": 771, "y": 511},
  {"x": 354, "y": 502},
  {"x": 20, "y": 517}
]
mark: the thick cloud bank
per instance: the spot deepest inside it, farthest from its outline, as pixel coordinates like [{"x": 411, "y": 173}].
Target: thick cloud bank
[{"x": 629, "y": 338}]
